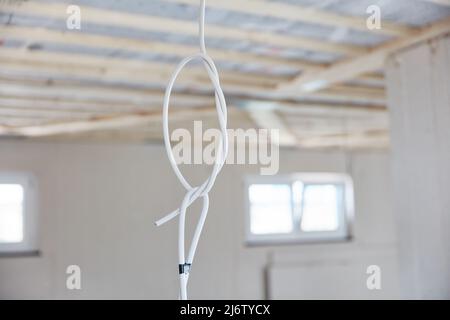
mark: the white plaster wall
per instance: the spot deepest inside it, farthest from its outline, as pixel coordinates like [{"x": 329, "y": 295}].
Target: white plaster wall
[
  {"x": 98, "y": 203},
  {"x": 418, "y": 82}
]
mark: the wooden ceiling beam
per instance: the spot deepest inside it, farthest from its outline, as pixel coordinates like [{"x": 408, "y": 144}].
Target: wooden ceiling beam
[
  {"x": 297, "y": 12},
  {"x": 269, "y": 119},
  {"x": 100, "y": 123},
  {"x": 152, "y": 23},
  {"x": 351, "y": 68},
  {"x": 97, "y": 93},
  {"x": 322, "y": 110},
  {"x": 87, "y": 106},
  {"x": 47, "y": 113},
  {"x": 141, "y": 72},
  {"x": 138, "y": 96},
  {"x": 124, "y": 68},
  {"x": 34, "y": 35},
  {"x": 40, "y": 34}
]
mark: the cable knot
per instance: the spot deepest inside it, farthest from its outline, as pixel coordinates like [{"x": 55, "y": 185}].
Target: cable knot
[{"x": 193, "y": 193}]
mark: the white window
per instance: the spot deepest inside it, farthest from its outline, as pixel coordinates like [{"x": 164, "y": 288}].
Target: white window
[
  {"x": 299, "y": 208},
  {"x": 17, "y": 213}
]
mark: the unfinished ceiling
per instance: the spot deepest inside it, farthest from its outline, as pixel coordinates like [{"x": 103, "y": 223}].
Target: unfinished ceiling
[{"x": 313, "y": 66}]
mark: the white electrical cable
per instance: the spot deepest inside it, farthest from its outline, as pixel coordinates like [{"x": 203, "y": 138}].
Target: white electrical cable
[{"x": 193, "y": 193}]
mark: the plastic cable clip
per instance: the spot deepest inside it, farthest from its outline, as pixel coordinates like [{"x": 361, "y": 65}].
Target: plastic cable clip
[{"x": 184, "y": 268}]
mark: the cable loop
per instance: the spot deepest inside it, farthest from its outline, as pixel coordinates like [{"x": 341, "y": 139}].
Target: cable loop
[{"x": 201, "y": 191}]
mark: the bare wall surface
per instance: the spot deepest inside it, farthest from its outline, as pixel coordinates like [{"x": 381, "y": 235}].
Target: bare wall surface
[
  {"x": 419, "y": 102},
  {"x": 98, "y": 204}
]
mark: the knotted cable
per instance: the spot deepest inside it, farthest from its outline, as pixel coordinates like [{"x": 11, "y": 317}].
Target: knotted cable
[{"x": 201, "y": 191}]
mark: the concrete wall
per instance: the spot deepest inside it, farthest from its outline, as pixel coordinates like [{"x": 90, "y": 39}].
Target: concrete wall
[
  {"x": 98, "y": 203},
  {"x": 419, "y": 100}
]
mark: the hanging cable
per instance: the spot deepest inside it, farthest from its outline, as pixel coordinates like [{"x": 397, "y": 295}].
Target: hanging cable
[{"x": 201, "y": 191}]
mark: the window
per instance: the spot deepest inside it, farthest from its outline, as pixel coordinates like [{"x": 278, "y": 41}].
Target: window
[
  {"x": 299, "y": 208},
  {"x": 17, "y": 213}
]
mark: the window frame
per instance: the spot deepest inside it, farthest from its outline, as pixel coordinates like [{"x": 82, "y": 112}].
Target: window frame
[
  {"x": 345, "y": 229},
  {"x": 30, "y": 213}
]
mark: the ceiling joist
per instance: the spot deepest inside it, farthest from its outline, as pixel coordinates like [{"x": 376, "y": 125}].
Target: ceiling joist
[
  {"x": 47, "y": 88},
  {"x": 98, "y": 94},
  {"x": 144, "y": 73},
  {"x": 351, "y": 68},
  {"x": 160, "y": 24},
  {"x": 100, "y": 123},
  {"x": 296, "y": 12},
  {"x": 38, "y": 35},
  {"x": 125, "y": 68}
]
